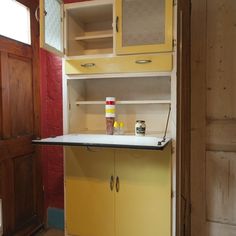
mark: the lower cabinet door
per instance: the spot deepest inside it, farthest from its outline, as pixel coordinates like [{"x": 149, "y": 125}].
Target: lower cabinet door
[
  {"x": 143, "y": 197},
  {"x": 89, "y": 198}
]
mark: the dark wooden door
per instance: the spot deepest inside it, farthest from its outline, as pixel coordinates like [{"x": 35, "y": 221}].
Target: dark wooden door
[{"x": 20, "y": 175}]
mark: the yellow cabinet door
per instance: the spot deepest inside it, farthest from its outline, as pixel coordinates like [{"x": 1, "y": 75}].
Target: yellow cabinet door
[
  {"x": 144, "y": 26},
  {"x": 89, "y": 200},
  {"x": 143, "y": 200},
  {"x": 51, "y": 26}
]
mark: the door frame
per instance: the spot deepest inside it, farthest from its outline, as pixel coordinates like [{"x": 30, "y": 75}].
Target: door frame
[{"x": 183, "y": 140}]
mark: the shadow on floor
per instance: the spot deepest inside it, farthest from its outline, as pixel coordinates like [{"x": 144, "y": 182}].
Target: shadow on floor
[{"x": 50, "y": 232}]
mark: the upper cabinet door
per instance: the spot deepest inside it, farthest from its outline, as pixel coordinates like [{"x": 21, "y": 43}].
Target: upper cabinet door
[
  {"x": 144, "y": 26},
  {"x": 51, "y": 26}
]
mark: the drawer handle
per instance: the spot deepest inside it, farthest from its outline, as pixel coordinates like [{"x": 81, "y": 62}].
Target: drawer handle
[
  {"x": 88, "y": 65},
  {"x": 143, "y": 61},
  {"x": 117, "y": 184},
  {"x": 112, "y": 183}
]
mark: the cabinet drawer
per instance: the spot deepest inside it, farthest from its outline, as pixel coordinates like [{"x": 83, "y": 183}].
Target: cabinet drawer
[{"x": 122, "y": 64}]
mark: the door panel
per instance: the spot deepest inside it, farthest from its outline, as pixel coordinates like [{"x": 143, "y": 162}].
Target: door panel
[
  {"x": 24, "y": 186},
  {"x": 143, "y": 203},
  {"x": 89, "y": 199},
  {"x": 21, "y": 94}
]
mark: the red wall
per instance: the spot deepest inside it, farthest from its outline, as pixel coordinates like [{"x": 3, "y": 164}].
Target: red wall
[{"x": 51, "y": 125}]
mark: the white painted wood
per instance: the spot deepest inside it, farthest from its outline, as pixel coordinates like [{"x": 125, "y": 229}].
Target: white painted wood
[
  {"x": 115, "y": 140},
  {"x": 89, "y": 28},
  {"x": 87, "y": 4},
  {"x": 119, "y": 75},
  {"x": 125, "y": 102},
  {"x": 221, "y": 187},
  {"x": 91, "y": 119},
  {"x": 91, "y": 37}
]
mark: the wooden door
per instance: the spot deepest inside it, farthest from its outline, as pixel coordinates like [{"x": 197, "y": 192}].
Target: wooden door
[
  {"x": 89, "y": 196},
  {"x": 143, "y": 198},
  {"x": 213, "y": 161},
  {"x": 20, "y": 183}
]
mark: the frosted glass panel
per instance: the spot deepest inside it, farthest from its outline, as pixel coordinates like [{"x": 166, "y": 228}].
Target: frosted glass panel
[
  {"x": 53, "y": 24},
  {"x": 15, "y": 21},
  {"x": 143, "y": 22}
]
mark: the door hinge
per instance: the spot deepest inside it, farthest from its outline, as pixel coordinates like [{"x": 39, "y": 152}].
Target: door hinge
[
  {"x": 174, "y": 2},
  {"x": 174, "y": 43}
]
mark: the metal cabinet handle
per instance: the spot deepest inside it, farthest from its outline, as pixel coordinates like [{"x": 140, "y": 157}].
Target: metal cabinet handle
[
  {"x": 117, "y": 21},
  {"x": 87, "y": 65},
  {"x": 117, "y": 184},
  {"x": 143, "y": 61},
  {"x": 112, "y": 183}
]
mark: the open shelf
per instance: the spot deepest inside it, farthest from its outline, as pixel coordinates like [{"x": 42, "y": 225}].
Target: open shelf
[
  {"x": 89, "y": 28},
  {"x": 103, "y": 35},
  {"x": 125, "y": 102}
]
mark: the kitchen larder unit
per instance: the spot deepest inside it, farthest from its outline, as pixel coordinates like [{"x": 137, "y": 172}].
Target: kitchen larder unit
[{"x": 118, "y": 192}]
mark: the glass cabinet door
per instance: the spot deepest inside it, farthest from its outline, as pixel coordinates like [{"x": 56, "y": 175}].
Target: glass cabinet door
[
  {"x": 143, "y": 26},
  {"x": 51, "y": 26}
]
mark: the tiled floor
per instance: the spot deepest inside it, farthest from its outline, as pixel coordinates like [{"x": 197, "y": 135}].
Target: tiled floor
[{"x": 51, "y": 232}]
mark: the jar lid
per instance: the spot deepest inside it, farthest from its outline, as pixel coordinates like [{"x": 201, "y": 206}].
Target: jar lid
[{"x": 140, "y": 121}]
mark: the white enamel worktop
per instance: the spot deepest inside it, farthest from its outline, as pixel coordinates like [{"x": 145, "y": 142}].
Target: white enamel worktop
[{"x": 101, "y": 140}]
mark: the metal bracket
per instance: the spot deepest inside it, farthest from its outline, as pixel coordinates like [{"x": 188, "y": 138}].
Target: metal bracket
[{"x": 167, "y": 123}]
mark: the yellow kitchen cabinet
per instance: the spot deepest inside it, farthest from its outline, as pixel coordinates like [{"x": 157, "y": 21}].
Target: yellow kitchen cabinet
[
  {"x": 135, "y": 201},
  {"x": 89, "y": 201},
  {"x": 143, "y": 202},
  {"x": 144, "y": 26},
  {"x": 106, "y": 27},
  {"x": 122, "y": 64}
]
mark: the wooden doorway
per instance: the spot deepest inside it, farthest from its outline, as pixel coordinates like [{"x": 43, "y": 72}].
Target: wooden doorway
[
  {"x": 213, "y": 157},
  {"x": 20, "y": 173}
]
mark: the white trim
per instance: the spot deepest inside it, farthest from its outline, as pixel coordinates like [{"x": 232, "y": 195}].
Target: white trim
[
  {"x": 125, "y": 102},
  {"x": 121, "y": 75},
  {"x": 87, "y": 4},
  {"x": 64, "y": 99}
]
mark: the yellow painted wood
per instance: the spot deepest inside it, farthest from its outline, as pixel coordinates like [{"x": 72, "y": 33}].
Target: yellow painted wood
[
  {"x": 89, "y": 200},
  {"x": 143, "y": 203},
  {"x": 42, "y": 26},
  {"x": 166, "y": 47},
  {"x": 159, "y": 63}
]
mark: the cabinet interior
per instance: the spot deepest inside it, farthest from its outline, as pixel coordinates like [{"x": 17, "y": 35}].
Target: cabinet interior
[
  {"x": 89, "y": 29},
  {"x": 144, "y": 98}
]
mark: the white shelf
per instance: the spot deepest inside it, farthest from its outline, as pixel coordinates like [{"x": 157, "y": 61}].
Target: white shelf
[
  {"x": 94, "y": 37},
  {"x": 125, "y": 102},
  {"x": 115, "y": 141}
]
